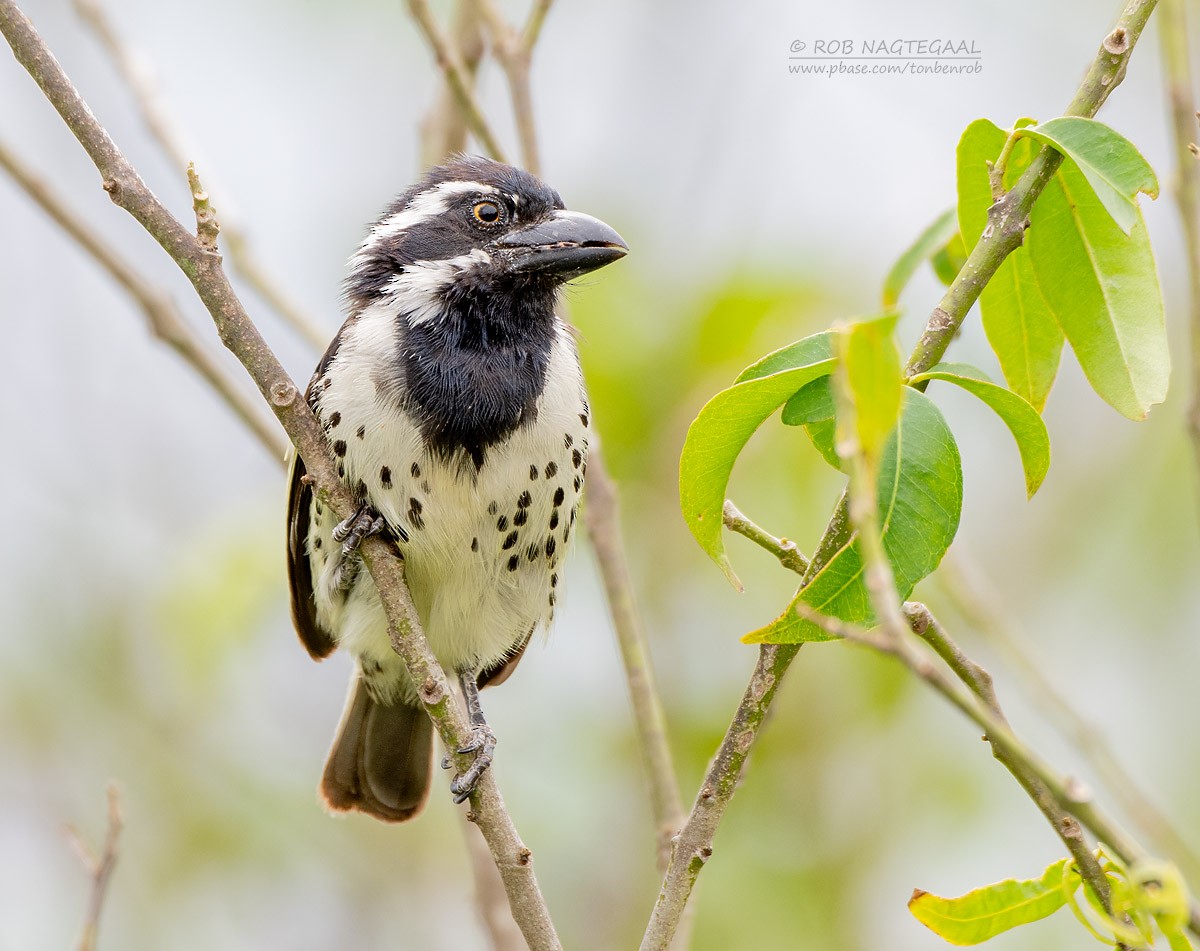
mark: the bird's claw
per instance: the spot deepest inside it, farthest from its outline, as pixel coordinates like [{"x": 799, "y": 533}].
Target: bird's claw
[
  {"x": 481, "y": 742},
  {"x": 366, "y": 521}
]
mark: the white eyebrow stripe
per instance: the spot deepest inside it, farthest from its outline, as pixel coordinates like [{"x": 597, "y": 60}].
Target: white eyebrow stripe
[{"x": 428, "y": 204}]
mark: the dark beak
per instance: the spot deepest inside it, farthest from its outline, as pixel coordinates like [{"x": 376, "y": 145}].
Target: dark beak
[{"x": 566, "y": 245}]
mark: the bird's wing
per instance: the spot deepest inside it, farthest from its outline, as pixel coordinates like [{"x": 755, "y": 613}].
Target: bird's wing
[{"x": 316, "y": 639}]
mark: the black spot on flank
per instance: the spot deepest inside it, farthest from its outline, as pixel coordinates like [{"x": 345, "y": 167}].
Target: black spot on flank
[
  {"x": 551, "y": 544},
  {"x": 385, "y": 477},
  {"x": 532, "y": 552},
  {"x": 567, "y": 440},
  {"x": 414, "y": 513},
  {"x": 554, "y": 580},
  {"x": 339, "y": 448},
  {"x": 521, "y": 517},
  {"x": 533, "y": 473},
  {"x": 551, "y": 469},
  {"x": 583, "y": 469},
  {"x": 362, "y": 489},
  {"x": 578, "y": 483},
  {"x": 525, "y": 500},
  {"x": 493, "y": 509},
  {"x": 552, "y": 599},
  {"x": 416, "y": 471},
  {"x": 513, "y": 561},
  {"x": 554, "y": 519},
  {"x": 317, "y": 543},
  {"x": 474, "y": 544},
  {"x": 583, "y": 418},
  {"x": 334, "y": 419},
  {"x": 509, "y": 540},
  {"x": 502, "y": 523},
  {"x": 360, "y": 432},
  {"x": 576, "y": 458},
  {"x": 342, "y": 472},
  {"x": 320, "y": 508},
  {"x": 559, "y": 495},
  {"x": 425, "y": 486}
]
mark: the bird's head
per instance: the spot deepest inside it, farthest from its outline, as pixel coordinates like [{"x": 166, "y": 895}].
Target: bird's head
[{"x": 472, "y": 233}]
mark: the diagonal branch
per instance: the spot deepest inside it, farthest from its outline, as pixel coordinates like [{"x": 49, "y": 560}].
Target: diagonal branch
[
  {"x": 457, "y": 78},
  {"x": 140, "y": 82},
  {"x": 162, "y": 316},
  {"x": 238, "y": 333}
]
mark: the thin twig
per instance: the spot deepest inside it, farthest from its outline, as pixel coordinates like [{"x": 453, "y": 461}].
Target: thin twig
[
  {"x": 603, "y": 523},
  {"x": 162, "y": 316},
  {"x": 239, "y": 334},
  {"x": 100, "y": 867},
  {"x": 456, "y": 77},
  {"x": 491, "y": 902},
  {"x": 1177, "y": 71},
  {"x": 443, "y": 130},
  {"x": 973, "y": 600},
  {"x": 786, "y": 551},
  {"x": 140, "y": 82},
  {"x": 514, "y": 53}
]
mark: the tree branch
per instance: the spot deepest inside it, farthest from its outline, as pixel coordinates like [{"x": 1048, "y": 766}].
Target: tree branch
[
  {"x": 139, "y": 81},
  {"x": 1009, "y": 217},
  {"x": 100, "y": 867},
  {"x": 456, "y": 77},
  {"x": 162, "y": 316},
  {"x": 603, "y": 522},
  {"x": 786, "y": 551},
  {"x": 1177, "y": 71},
  {"x": 514, "y": 53},
  {"x": 443, "y": 130},
  {"x": 239, "y": 334}
]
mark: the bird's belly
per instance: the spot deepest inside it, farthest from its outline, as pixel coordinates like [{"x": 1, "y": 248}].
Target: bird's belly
[{"x": 484, "y": 547}]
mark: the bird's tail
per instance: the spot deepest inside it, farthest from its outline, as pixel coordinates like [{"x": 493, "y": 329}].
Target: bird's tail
[{"x": 380, "y": 760}]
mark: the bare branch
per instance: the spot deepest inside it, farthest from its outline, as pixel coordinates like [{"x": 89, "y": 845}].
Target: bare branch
[
  {"x": 443, "y": 130},
  {"x": 100, "y": 867},
  {"x": 139, "y": 80},
  {"x": 514, "y": 52},
  {"x": 456, "y": 78},
  {"x": 491, "y": 901},
  {"x": 786, "y": 551},
  {"x": 162, "y": 316},
  {"x": 603, "y": 522},
  {"x": 239, "y": 334}
]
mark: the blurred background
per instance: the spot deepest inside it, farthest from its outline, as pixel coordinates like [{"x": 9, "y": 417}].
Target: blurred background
[{"x": 144, "y": 636}]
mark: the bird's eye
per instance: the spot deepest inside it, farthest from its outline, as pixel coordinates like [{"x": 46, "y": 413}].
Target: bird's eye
[{"x": 487, "y": 212}]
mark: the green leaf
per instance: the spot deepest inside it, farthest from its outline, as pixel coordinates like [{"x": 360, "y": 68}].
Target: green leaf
[
  {"x": 811, "y": 404},
  {"x": 724, "y": 426},
  {"x": 919, "y": 500},
  {"x": 928, "y": 243},
  {"x": 1111, "y": 163},
  {"x": 802, "y": 353},
  {"x": 949, "y": 259},
  {"x": 868, "y": 352},
  {"x": 1022, "y": 420},
  {"x": 1102, "y": 287},
  {"x": 823, "y": 434},
  {"x": 1016, "y": 318},
  {"x": 986, "y": 912}
]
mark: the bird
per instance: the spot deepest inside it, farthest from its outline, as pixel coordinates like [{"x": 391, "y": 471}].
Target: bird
[{"x": 454, "y": 406}]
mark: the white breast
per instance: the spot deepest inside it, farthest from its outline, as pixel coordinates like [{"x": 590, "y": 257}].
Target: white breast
[{"x": 485, "y": 547}]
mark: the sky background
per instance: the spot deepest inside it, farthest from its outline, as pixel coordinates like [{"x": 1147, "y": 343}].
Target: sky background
[{"x": 145, "y": 635}]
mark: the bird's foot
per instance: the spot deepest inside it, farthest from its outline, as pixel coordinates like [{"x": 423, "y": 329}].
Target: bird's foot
[
  {"x": 482, "y": 742},
  {"x": 351, "y": 532}
]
